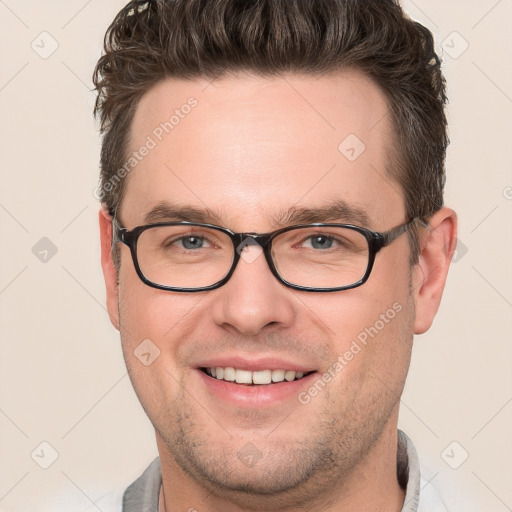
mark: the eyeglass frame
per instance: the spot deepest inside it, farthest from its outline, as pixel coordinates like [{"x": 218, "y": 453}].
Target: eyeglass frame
[{"x": 376, "y": 241}]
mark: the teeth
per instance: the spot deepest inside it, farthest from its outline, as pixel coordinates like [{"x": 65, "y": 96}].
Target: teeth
[
  {"x": 259, "y": 377},
  {"x": 243, "y": 377},
  {"x": 277, "y": 375},
  {"x": 289, "y": 375},
  {"x": 262, "y": 377},
  {"x": 229, "y": 374}
]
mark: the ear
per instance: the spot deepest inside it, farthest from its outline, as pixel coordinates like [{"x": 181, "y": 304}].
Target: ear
[
  {"x": 438, "y": 243},
  {"x": 107, "y": 264}
]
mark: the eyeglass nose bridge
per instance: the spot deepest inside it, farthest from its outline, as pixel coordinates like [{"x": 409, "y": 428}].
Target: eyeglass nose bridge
[
  {"x": 244, "y": 240},
  {"x": 241, "y": 241},
  {"x": 250, "y": 238}
]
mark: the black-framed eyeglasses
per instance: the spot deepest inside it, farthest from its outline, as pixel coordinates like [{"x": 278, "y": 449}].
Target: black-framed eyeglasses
[{"x": 193, "y": 257}]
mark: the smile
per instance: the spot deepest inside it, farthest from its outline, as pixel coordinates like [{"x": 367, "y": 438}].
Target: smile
[{"x": 247, "y": 377}]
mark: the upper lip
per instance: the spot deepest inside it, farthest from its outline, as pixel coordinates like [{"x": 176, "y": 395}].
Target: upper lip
[{"x": 254, "y": 364}]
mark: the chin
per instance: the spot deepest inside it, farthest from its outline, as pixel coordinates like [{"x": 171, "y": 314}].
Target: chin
[{"x": 246, "y": 470}]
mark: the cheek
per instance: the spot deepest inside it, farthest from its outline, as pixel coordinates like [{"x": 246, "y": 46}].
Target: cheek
[
  {"x": 151, "y": 324},
  {"x": 359, "y": 313},
  {"x": 370, "y": 326},
  {"x": 149, "y": 313},
  {"x": 373, "y": 347}
]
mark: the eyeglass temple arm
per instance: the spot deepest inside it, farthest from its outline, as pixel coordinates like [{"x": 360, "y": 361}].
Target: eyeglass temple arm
[
  {"x": 394, "y": 233},
  {"x": 117, "y": 230}
]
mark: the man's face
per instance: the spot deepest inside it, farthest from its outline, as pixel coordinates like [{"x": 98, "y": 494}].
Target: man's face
[{"x": 250, "y": 151}]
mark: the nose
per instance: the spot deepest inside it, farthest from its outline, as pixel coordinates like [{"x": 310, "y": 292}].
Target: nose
[{"x": 253, "y": 299}]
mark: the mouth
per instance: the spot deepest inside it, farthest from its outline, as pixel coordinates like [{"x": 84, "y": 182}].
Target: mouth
[
  {"x": 254, "y": 383},
  {"x": 254, "y": 378}
]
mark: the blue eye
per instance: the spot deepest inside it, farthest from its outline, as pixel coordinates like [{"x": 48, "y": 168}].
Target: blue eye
[
  {"x": 191, "y": 242},
  {"x": 321, "y": 242}
]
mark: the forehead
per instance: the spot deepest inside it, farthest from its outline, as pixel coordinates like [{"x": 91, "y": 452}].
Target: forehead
[{"x": 243, "y": 146}]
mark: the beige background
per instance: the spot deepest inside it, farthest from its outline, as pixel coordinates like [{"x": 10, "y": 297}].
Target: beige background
[{"x": 62, "y": 377}]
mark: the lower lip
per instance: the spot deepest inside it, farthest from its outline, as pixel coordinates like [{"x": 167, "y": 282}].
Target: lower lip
[{"x": 259, "y": 395}]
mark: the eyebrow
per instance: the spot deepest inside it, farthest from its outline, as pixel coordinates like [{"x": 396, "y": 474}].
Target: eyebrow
[
  {"x": 165, "y": 211},
  {"x": 335, "y": 211}
]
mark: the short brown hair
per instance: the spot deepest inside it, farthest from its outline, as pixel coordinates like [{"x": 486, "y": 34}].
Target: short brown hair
[{"x": 153, "y": 40}]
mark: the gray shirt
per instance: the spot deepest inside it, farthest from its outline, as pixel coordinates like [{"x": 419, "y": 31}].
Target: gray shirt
[{"x": 143, "y": 494}]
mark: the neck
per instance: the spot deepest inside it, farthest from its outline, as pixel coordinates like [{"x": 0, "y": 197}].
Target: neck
[{"x": 371, "y": 485}]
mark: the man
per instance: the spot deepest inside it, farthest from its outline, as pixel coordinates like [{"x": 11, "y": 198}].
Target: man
[{"x": 273, "y": 235}]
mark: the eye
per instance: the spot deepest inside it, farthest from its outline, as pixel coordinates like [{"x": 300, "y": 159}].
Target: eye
[
  {"x": 189, "y": 242},
  {"x": 319, "y": 241},
  {"x": 324, "y": 241}
]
